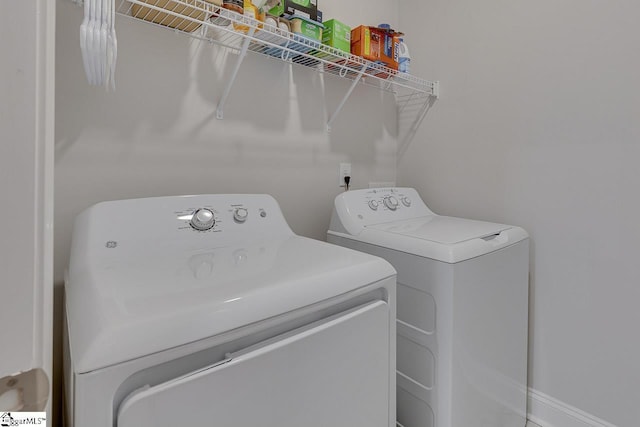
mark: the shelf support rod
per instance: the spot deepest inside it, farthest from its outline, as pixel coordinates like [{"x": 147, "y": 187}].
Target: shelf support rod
[
  {"x": 234, "y": 74},
  {"x": 346, "y": 96}
]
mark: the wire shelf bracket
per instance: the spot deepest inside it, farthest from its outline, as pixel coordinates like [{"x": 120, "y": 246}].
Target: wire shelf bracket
[{"x": 345, "y": 98}]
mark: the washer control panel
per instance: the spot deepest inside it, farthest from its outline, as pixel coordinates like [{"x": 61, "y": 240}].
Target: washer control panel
[
  {"x": 358, "y": 208},
  {"x": 391, "y": 203},
  {"x": 391, "y": 199}
]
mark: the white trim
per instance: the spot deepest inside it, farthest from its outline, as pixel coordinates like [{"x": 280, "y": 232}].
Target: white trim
[
  {"x": 547, "y": 411},
  {"x": 44, "y": 111}
]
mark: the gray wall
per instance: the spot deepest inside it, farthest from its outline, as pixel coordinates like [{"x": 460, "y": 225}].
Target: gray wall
[{"x": 538, "y": 125}]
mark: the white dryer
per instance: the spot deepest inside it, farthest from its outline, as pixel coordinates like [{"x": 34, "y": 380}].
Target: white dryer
[
  {"x": 209, "y": 310},
  {"x": 462, "y": 307}
]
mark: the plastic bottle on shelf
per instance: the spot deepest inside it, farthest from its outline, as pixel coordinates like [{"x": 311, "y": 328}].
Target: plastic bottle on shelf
[{"x": 404, "y": 59}]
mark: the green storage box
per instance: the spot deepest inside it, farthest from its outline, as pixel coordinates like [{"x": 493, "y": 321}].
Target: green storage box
[{"x": 336, "y": 34}]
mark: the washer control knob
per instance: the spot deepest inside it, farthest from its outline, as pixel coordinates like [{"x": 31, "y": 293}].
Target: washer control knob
[
  {"x": 391, "y": 203},
  {"x": 373, "y": 204},
  {"x": 240, "y": 215},
  {"x": 202, "y": 219},
  {"x": 406, "y": 201}
]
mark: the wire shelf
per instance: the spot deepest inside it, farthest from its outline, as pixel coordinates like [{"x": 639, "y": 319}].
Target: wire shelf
[{"x": 204, "y": 20}]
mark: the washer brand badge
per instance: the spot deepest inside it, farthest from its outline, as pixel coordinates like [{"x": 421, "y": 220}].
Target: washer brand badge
[
  {"x": 111, "y": 244},
  {"x": 8, "y": 419}
]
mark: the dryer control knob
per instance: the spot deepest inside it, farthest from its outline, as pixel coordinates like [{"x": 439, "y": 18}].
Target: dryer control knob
[
  {"x": 373, "y": 204},
  {"x": 240, "y": 215},
  {"x": 391, "y": 203},
  {"x": 406, "y": 201},
  {"x": 203, "y": 219}
]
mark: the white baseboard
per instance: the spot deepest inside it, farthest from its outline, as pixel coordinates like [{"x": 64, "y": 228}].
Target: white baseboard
[{"x": 547, "y": 411}]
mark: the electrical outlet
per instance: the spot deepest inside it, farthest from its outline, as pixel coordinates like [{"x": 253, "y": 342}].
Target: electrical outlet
[{"x": 344, "y": 170}]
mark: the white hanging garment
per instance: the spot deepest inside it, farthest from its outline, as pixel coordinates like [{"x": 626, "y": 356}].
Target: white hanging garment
[{"x": 98, "y": 42}]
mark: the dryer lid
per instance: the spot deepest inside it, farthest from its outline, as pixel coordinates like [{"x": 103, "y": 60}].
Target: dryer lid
[
  {"x": 141, "y": 280},
  {"x": 121, "y": 312}
]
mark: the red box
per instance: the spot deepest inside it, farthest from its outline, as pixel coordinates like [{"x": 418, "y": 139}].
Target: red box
[{"x": 376, "y": 45}]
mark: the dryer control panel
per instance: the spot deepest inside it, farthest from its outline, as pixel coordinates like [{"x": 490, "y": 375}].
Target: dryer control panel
[
  {"x": 228, "y": 215},
  {"x": 354, "y": 210},
  {"x": 184, "y": 221}
]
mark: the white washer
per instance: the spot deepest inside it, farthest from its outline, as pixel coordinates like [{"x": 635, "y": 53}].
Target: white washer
[
  {"x": 462, "y": 307},
  {"x": 209, "y": 310}
]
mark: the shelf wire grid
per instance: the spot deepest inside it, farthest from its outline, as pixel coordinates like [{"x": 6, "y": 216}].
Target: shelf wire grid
[{"x": 204, "y": 20}]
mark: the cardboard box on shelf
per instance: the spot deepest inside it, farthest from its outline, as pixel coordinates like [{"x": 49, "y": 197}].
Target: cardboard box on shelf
[
  {"x": 336, "y": 34},
  {"x": 376, "y": 45},
  {"x": 306, "y": 8},
  {"x": 306, "y": 27}
]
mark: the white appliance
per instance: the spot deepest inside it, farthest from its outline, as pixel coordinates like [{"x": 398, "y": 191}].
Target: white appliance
[
  {"x": 209, "y": 310},
  {"x": 462, "y": 307}
]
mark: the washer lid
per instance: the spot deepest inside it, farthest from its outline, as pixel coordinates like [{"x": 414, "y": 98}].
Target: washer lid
[
  {"x": 445, "y": 239},
  {"x": 408, "y": 225},
  {"x": 445, "y": 230}
]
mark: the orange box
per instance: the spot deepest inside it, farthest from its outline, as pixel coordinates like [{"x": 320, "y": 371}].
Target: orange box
[{"x": 376, "y": 45}]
